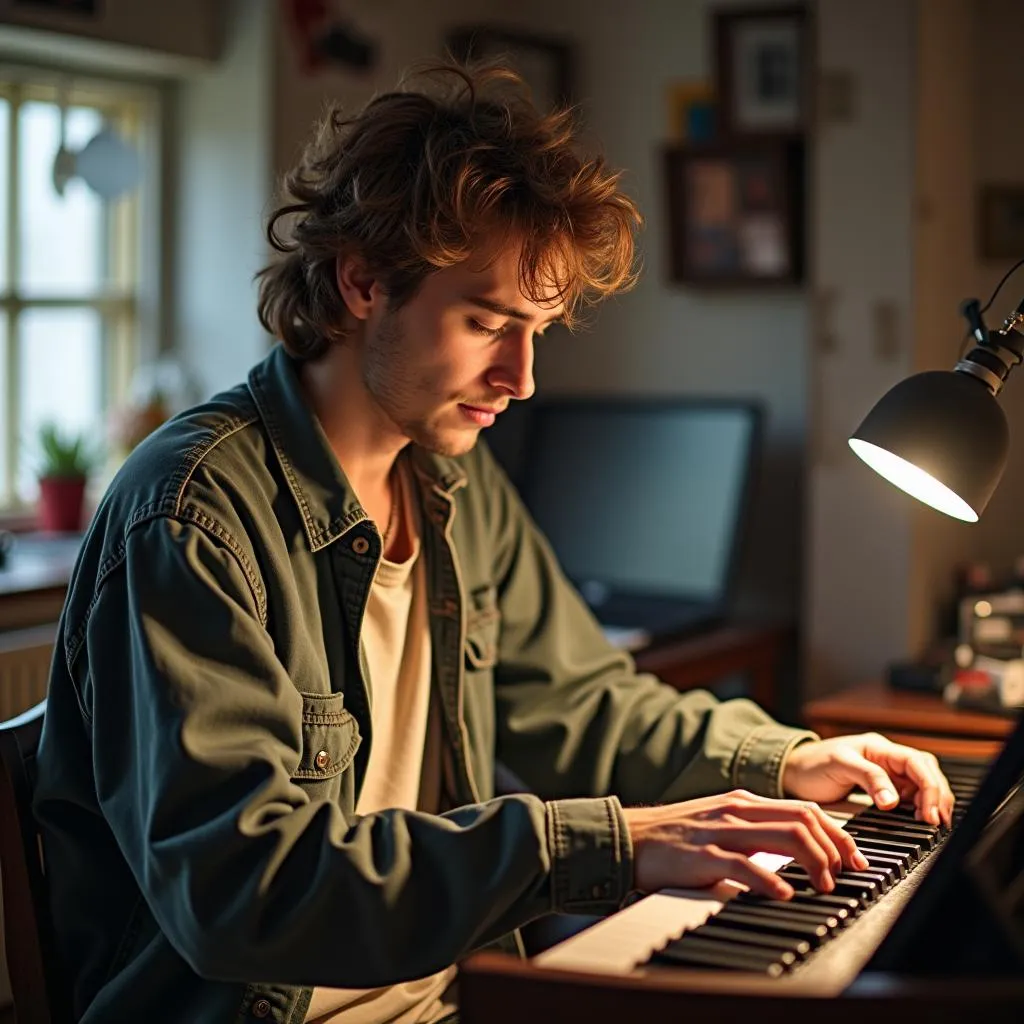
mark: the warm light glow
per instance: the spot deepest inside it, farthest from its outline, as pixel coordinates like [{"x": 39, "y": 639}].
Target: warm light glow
[{"x": 916, "y": 482}]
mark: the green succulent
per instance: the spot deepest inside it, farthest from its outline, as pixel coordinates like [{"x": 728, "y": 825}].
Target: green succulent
[{"x": 64, "y": 456}]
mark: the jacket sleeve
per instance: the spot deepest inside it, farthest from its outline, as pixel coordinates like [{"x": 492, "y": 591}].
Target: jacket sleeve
[
  {"x": 573, "y": 715},
  {"x": 196, "y": 733}
]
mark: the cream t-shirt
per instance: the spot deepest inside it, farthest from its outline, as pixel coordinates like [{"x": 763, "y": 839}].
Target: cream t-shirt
[{"x": 405, "y": 763}]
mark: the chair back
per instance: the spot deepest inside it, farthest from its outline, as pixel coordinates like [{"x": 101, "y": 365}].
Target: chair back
[{"x": 31, "y": 954}]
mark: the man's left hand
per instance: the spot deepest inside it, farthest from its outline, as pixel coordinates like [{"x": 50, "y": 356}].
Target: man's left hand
[{"x": 827, "y": 770}]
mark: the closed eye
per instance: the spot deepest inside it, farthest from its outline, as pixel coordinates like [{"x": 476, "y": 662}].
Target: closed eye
[{"x": 479, "y": 328}]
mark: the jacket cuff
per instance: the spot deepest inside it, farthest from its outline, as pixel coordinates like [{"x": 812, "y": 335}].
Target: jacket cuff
[
  {"x": 591, "y": 855},
  {"x": 761, "y": 757}
]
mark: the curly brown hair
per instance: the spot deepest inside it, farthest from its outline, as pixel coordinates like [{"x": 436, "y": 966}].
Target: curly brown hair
[{"x": 417, "y": 179}]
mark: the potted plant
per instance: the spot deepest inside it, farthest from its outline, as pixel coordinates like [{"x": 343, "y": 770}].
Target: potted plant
[{"x": 65, "y": 465}]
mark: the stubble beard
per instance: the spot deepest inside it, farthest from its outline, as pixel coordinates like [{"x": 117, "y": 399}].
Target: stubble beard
[{"x": 397, "y": 392}]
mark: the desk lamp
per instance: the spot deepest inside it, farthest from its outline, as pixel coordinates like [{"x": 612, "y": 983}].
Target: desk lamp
[{"x": 941, "y": 435}]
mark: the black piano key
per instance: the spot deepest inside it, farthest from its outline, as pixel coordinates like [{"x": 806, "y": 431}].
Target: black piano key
[
  {"x": 871, "y": 884},
  {"x": 887, "y": 871},
  {"x": 901, "y": 849},
  {"x": 860, "y": 896},
  {"x": 879, "y": 879},
  {"x": 820, "y": 914},
  {"x": 835, "y": 905},
  {"x": 695, "y": 954},
  {"x": 905, "y": 812},
  {"x": 915, "y": 833},
  {"x": 855, "y": 890},
  {"x": 774, "y": 922},
  {"x": 921, "y": 828},
  {"x": 871, "y": 844},
  {"x": 875, "y": 859},
  {"x": 796, "y": 948},
  {"x": 921, "y": 843},
  {"x": 902, "y": 819}
]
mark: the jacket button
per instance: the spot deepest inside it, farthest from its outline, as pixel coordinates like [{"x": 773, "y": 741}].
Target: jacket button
[
  {"x": 323, "y": 759},
  {"x": 360, "y": 545},
  {"x": 261, "y": 1008}
]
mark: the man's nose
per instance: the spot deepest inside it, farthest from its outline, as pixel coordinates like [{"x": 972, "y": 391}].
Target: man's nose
[{"x": 514, "y": 373}]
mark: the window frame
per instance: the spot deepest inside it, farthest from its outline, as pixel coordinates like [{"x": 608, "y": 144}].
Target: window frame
[{"x": 131, "y": 304}]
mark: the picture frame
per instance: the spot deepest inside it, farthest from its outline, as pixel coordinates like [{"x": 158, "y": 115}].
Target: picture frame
[
  {"x": 691, "y": 110},
  {"x": 736, "y": 213},
  {"x": 1001, "y": 222},
  {"x": 762, "y": 70},
  {"x": 545, "y": 62}
]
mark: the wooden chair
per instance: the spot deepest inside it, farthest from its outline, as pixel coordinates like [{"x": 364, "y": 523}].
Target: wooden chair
[{"x": 31, "y": 955}]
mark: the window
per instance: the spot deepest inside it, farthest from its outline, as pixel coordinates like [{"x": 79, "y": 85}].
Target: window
[{"x": 76, "y": 308}]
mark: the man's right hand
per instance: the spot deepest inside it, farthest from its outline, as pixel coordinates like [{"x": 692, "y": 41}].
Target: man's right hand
[{"x": 696, "y": 843}]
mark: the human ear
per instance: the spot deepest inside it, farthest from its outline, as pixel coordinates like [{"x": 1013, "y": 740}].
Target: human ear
[{"x": 359, "y": 289}]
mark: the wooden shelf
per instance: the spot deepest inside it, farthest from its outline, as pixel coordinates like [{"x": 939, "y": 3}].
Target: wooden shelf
[{"x": 917, "y": 719}]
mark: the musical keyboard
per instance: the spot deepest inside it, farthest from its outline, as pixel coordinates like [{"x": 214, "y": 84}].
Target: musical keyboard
[{"x": 817, "y": 940}]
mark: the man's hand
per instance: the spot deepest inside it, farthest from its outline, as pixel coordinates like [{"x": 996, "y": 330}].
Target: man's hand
[
  {"x": 828, "y": 769},
  {"x": 696, "y": 843}
]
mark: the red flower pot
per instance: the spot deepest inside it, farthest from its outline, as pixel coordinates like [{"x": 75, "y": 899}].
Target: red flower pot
[{"x": 61, "y": 499}]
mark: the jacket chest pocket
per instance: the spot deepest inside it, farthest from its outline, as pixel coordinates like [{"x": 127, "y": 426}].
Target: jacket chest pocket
[
  {"x": 330, "y": 739},
  {"x": 483, "y": 628}
]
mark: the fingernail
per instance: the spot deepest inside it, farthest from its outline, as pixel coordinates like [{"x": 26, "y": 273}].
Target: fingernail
[
  {"x": 887, "y": 796},
  {"x": 785, "y": 891},
  {"x": 860, "y": 861},
  {"x": 829, "y": 882},
  {"x": 933, "y": 815}
]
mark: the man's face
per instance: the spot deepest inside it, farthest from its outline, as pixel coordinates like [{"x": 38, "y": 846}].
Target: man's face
[{"x": 453, "y": 357}]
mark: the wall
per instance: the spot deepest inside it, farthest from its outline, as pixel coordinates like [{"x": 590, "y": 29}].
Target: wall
[
  {"x": 404, "y": 31},
  {"x": 944, "y": 270},
  {"x": 893, "y": 233},
  {"x": 221, "y": 181},
  {"x": 999, "y": 148},
  {"x": 663, "y": 338},
  {"x": 858, "y": 544}
]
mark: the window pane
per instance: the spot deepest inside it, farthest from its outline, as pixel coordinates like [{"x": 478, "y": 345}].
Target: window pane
[
  {"x": 5, "y": 424},
  {"x": 62, "y": 238},
  {"x": 5, "y": 122},
  {"x": 61, "y": 373}
]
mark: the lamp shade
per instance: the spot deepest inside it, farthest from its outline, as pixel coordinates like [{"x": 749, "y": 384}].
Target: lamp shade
[{"x": 942, "y": 437}]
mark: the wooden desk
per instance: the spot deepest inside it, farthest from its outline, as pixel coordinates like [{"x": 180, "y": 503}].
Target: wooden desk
[
  {"x": 917, "y": 719},
  {"x": 756, "y": 651}
]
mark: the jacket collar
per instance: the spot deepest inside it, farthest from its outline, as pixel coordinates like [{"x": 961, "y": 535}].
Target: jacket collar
[{"x": 325, "y": 499}]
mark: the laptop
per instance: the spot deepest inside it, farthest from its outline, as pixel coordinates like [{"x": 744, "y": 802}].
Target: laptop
[{"x": 645, "y": 503}]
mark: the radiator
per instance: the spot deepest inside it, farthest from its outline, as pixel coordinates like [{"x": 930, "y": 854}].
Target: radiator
[{"x": 24, "y": 668}]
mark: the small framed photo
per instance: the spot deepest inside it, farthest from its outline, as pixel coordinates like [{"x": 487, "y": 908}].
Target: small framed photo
[
  {"x": 1001, "y": 222},
  {"x": 691, "y": 111},
  {"x": 762, "y": 70},
  {"x": 545, "y": 62},
  {"x": 736, "y": 213}
]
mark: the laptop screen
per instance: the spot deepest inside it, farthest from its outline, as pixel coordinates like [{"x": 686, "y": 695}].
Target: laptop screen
[{"x": 643, "y": 497}]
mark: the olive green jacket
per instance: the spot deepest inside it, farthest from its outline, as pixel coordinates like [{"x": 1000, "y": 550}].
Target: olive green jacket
[{"x": 208, "y": 729}]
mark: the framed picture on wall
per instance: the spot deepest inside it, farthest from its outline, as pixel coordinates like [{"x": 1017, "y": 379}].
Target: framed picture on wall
[
  {"x": 1001, "y": 222},
  {"x": 762, "y": 70},
  {"x": 545, "y": 62},
  {"x": 736, "y": 213}
]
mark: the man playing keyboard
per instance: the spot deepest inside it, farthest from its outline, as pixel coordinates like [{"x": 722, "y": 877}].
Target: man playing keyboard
[{"x": 310, "y": 614}]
